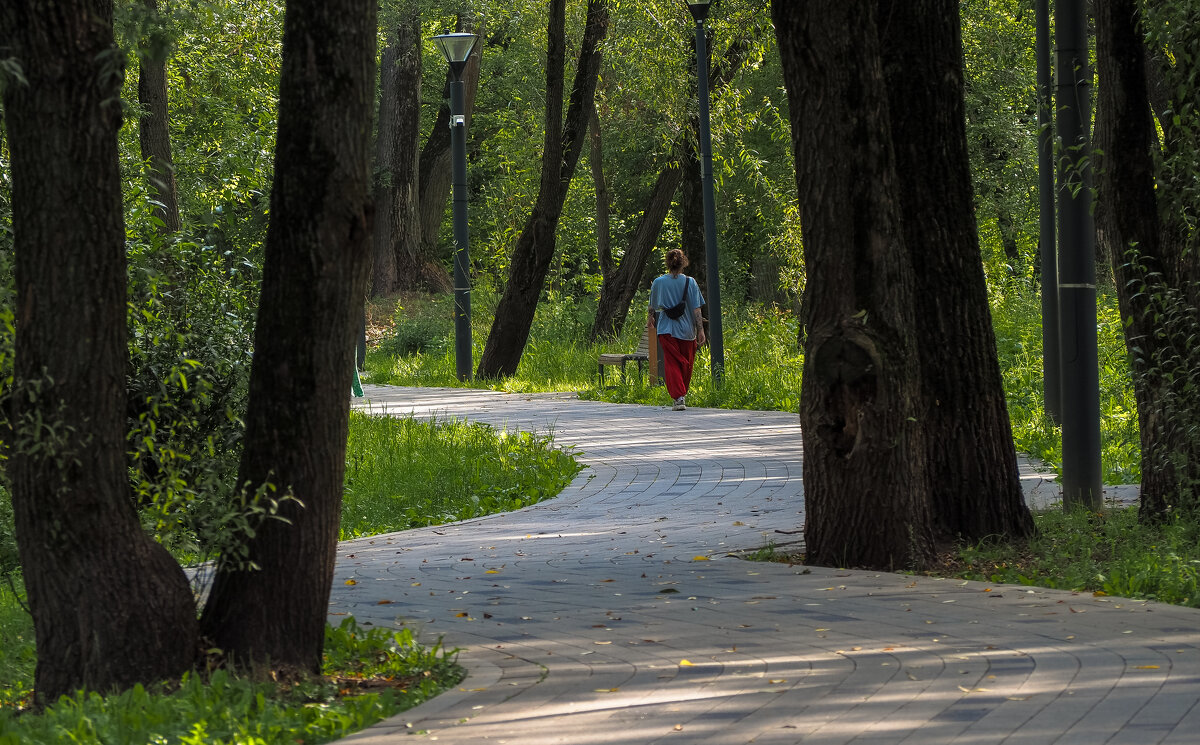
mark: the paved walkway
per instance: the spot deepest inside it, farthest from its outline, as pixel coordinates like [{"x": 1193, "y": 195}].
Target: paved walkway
[{"x": 615, "y": 614}]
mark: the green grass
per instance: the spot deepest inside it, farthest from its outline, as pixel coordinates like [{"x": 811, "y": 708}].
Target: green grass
[
  {"x": 1017, "y": 318},
  {"x": 404, "y": 473},
  {"x": 221, "y": 707},
  {"x": 762, "y": 361},
  {"x": 1107, "y": 553},
  {"x": 763, "y": 365},
  {"x": 401, "y": 473}
]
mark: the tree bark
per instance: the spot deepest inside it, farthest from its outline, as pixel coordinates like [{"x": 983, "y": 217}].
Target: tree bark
[
  {"x": 110, "y": 606},
  {"x": 314, "y": 284},
  {"x": 1148, "y": 263},
  {"x": 398, "y": 261},
  {"x": 864, "y": 472},
  {"x": 435, "y": 172},
  {"x": 603, "y": 197},
  {"x": 154, "y": 134},
  {"x": 619, "y": 287},
  {"x": 974, "y": 485},
  {"x": 564, "y": 141}
]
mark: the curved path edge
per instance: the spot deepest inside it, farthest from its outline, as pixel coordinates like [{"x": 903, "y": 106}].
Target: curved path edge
[{"x": 617, "y": 613}]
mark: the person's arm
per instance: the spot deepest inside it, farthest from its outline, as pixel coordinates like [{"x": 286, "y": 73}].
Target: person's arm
[{"x": 699, "y": 319}]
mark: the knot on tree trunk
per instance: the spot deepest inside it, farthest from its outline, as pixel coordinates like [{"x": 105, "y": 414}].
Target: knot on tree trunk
[{"x": 845, "y": 364}]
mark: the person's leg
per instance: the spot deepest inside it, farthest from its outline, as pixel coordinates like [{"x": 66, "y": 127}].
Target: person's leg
[
  {"x": 687, "y": 350},
  {"x": 673, "y": 358}
]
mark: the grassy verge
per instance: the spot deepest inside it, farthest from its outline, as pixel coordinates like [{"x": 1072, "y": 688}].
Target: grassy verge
[
  {"x": 367, "y": 676},
  {"x": 404, "y": 473},
  {"x": 401, "y": 473},
  {"x": 1107, "y": 553}
]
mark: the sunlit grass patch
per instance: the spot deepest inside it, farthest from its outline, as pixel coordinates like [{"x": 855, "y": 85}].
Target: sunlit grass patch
[{"x": 404, "y": 473}]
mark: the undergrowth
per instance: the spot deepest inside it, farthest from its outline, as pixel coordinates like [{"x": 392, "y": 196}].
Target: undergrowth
[
  {"x": 368, "y": 675},
  {"x": 1106, "y": 553}
]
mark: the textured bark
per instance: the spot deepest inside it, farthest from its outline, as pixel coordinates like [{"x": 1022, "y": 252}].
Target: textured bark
[
  {"x": 110, "y": 607},
  {"x": 691, "y": 188},
  {"x": 314, "y": 284},
  {"x": 619, "y": 287},
  {"x": 974, "y": 485},
  {"x": 864, "y": 474},
  {"x": 1148, "y": 262},
  {"x": 603, "y": 197},
  {"x": 154, "y": 135},
  {"x": 398, "y": 261},
  {"x": 534, "y": 250},
  {"x": 435, "y": 172}
]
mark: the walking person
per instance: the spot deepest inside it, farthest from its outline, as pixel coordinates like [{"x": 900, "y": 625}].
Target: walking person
[{"x": 675, "y": 302}]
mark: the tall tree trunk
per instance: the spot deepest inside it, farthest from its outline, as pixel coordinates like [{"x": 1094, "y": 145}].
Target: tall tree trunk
[
  {"x": 154, "y": 132},
  {"x": 975, "y": 485},
  {"x": 691, "y": 211},
  {"x": 110, "y": 606},
  {"x": 314, "y": 284},
  {"x": 691, "y": 187},
  {"x": 603, "y": 197},
  {"x": 1148, "y": 264},
  {"x": 435, "y": 172},
  {"x": 864, "y": 472},
  {"x": 564, "y": 141},
  {"x": 398, "y": 261},
  {"x": 619, "y": 287}
]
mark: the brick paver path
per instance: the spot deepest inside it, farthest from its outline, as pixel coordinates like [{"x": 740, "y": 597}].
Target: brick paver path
[{"x": 615, "y": 613}]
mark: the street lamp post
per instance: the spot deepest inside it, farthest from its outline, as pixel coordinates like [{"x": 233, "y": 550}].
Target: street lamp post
[
  {"x": 1081, "y": 464},
  {"x": 716, "y": 346},
  {"x": 457, "y": 50}
]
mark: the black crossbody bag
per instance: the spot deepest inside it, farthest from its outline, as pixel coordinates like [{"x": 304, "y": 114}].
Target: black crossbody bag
[{"x": 675, "y": 312}]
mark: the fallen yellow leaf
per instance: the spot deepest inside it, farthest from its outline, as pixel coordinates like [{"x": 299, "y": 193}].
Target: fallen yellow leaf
[
  {"x": 1146, "y": 667},
  {"x": 460, "y": 615},
  {"x": 686, "y": 663},
  {"x": 1099, "y": 594},
  {"x": 605, "y": 690},
  {"x": 491, "y": 571},
  {"x": 700, "y": 558},
  {"x": 351, "y": 582}
]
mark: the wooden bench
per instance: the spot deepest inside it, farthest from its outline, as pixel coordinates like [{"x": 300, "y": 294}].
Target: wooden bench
[{"x": 643, "y": 354}]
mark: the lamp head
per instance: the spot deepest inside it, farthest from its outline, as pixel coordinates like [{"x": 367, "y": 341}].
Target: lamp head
[
  {"x": 456, "y": 48},
  {"x": 700, "y": 8}
]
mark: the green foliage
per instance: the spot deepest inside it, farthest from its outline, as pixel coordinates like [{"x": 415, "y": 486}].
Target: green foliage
[
  {"x": 1016, "y": 316},
  {"x": 191, "y": 313},
  {"x": 225, "y": 708},
  {"x": 761, "y": 359},
  {"x": 1109, "y": 553},
  {"x": 17, "y": 656},
  {"x": 1001, "y": 111},
  {"x": 407, "y": 473}
]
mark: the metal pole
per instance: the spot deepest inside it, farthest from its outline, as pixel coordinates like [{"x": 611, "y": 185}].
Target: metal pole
[
  {"x": 462, "y": 287},
  {"x": 1051, "y": 355},
  {"x": 716, "y": 344},
  {"x": 1077, "y": 264}
]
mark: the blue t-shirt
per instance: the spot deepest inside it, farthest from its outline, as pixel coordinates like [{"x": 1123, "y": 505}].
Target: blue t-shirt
[{"x": 668, "y": 291}]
